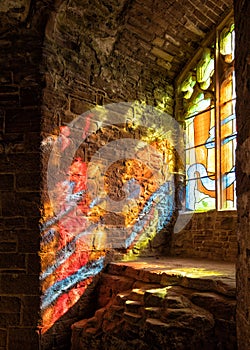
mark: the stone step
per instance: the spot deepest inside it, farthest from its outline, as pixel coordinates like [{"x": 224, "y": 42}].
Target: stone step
[
  {"x": 132, "y": 317},
  {"x": 174, "y": 301},
  {"x": 155, "y": 296},
  {"x": 111, "y": 285},
  {"x": 121, "y": 298},
  {"x": 221, "y": 285},
  {"x": 152, "y": 312},
  {"x": 137, "y": 294},
  {"x": 154, "y": 323},
  {"x": 207, "y": 276},
  {"x": 113, "y": 312},
  {"x": 133, "y": 306},
  {"x": 90, "y": 323},
  {"x": 220, "y": 306},
  {"x": 145, "y": 286},
  {"x": 192, "y": 317}
]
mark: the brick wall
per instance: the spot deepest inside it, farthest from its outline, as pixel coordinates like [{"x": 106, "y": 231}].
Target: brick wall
[
  {"x": 210, "y": 235},
  {"x": 242, "y": 23},
  {"x": 91, "y": 56},
  {"x": 20, "y": 93},
  {"x": 77, "y": 80}
]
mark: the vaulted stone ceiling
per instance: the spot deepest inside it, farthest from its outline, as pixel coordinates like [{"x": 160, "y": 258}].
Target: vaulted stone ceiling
[{"x": 159, "y": 32}]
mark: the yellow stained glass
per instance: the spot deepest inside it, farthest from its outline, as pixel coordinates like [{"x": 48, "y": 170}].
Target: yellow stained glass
[{"x": 211, "y": 128}]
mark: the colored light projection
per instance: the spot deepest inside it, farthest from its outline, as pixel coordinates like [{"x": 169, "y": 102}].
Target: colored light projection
[
  {"x": 111, "y": 186},
  {"x": 211, "y": 129}
]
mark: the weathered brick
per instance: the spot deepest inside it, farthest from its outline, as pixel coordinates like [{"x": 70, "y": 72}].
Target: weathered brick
[
  {"x": 29, "y": 203},
  {"x": 8, "y": 202},
  {"x": 18, "y": 162},
  {"x": 23, "y": 338},
  {"x": 32, "y": 142},
  {"x": 212, "y": 242},
  {"x": 9, "y": 319},
  {"x": 20, "y": 204},
  {"x": 33, "y": 222},
  {"x": 30, "y": 310},
  {"x": 12, "y": 261},
  {"x": 14, "y": 222},
  {"x": 33, "y": 264},
  {"x": 6, "y": 182},
  {"x": 158, "y": 42},
  {"x": 28, "y": 241},
  {"x": 164, "y": 63},
  {"x": 54, "y": 100},
  {"x": 8, "y": 89},
  {"x": 30, "y": 96},
  {"x": 3, "y": 339},
  {"x": 9, "y": 100},
  {"x": 79, "y": 106},
  {"x": 8, "y": 247},
  {"x": 24, "y": 120},
  {"x": 141, "y": 32},
  {"x": 10, "y": 304},
  {"x": 5, "y": 77},
  {"x": 162, "y": 54},
  {"x": 2, "y": 123},
  {"x": 16, "y": 284},
  {"x": 28, "y": 181}
]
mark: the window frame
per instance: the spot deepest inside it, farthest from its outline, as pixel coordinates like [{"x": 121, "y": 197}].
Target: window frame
[{"x": 212, "y": 39}]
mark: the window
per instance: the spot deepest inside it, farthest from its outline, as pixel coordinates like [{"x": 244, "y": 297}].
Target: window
[{"x": 206, "y": 103}]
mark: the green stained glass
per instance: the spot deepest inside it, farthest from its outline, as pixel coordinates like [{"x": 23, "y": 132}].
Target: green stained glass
[{"x": 209, "y": 111}]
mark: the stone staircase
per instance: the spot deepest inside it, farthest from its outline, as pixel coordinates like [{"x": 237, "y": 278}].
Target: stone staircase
[{"x": 143, "y": 308}]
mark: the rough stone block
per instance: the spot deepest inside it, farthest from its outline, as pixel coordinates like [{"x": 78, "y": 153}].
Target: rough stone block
[
  {"x": 8, "y": 247},
  {"x": 10, "y": 304},
  {"x": 3, "y": 339},
  {"x": 9, "y": 319},
  {"x": 28, "y": 181},
  {"x": 219, "y": 306},
  {"x": 15, "y": 222},
  {"x": 162, "y": 54},
  {"x": 9, "y": 100},
  {"x": 33, "y": 264},
  {"x": 29, "y": 203},
  {"x": 30, "y": 310},
  {"x": 28, "y": 241},
  {"x": 12, "y": 261},
  {"x": 23, "y": 338},
  {"x": 6, "y": 182},
  {"x": 79, "y": 106},
  {"x": 18, "y": 162},
  {"x": 27, "y": 120},
  {"x": 132, "y": 317},
  {"x": 15, "y": 283},
  {"x": 30, "y": 96}
]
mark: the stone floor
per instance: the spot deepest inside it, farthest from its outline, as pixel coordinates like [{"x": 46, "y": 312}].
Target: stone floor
[
  {"x": 165, "y": 303},
  {"x": 162, "y": 270},
  {"x": 190, "y": 267}
]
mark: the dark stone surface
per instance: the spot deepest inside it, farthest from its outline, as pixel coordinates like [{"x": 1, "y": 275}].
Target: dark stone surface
[
  {"x": 150, "y": 316},
  {"x": 242, "y": 69}
]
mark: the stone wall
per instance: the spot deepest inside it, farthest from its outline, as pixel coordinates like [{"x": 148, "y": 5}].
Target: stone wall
[
  {"x": 242, "y": 23},
  {"x": 92, "y": 54},
  {"x": 20, "y": 117},
  {"x": 210, "y": 235},
  {"x": 85, "y": 68}
]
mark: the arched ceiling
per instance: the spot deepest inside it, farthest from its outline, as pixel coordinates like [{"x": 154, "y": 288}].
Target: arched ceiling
[{"x": 163, "y": 34}]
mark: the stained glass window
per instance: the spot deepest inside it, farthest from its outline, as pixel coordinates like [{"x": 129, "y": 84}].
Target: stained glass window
[{"x": 208, "y": 108}]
